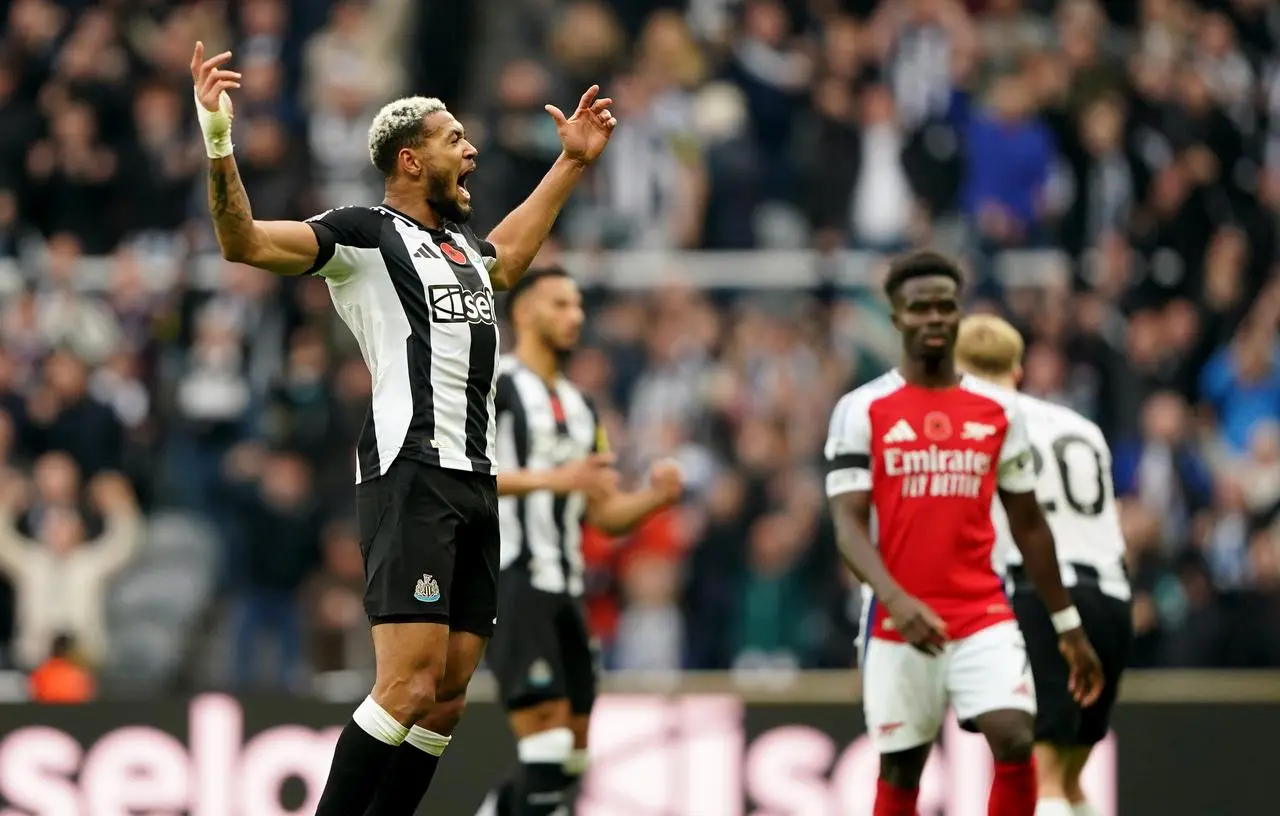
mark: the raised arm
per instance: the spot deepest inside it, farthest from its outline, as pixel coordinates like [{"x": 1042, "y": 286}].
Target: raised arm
[
  {"x": 518, "y": 237},
  {"x": 283, "y": 247},
  {"x": 15, "y": 548},
  {"x": 123, "y": 535}
]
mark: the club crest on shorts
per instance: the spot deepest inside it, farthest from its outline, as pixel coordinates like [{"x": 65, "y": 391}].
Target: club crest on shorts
[
  {"x": 540, "y": 673},
  {"x": 426, "y": 590}
]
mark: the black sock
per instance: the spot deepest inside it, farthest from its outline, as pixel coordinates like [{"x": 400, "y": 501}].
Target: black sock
[
  {"x": 500, "y": 797},
  {"x": 408, "y": 776},
  {"x": 507, "y": 798},
  {"x": 540, "y": 790},
  {"x": 359, "y": 761}
]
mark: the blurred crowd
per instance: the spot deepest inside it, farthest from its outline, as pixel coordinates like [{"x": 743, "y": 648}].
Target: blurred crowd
[{"x": 1138, "y": 141}]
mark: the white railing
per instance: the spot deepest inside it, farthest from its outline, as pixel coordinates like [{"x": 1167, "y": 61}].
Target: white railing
[{"x": 626, "y": 270}]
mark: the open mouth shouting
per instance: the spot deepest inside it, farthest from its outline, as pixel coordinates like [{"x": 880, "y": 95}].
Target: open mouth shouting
[{"x": 464, "y": 194}]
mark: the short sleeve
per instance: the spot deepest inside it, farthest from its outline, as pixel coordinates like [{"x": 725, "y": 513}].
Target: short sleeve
[
  {"x": 848, "y": 449},
  {"x": 488, "y": 254},
  {"x": 344, "y": 235},
  {"x": 1016, "y": 473},
  {"x": 504, "y": 394}
]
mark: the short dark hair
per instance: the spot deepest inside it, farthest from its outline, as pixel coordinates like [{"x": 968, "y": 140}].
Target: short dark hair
[
  {"x": 527, "y": 281},
  {"x": 920, "y": 264}
]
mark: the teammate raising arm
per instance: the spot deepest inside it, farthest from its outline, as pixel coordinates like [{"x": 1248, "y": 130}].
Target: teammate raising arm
[
  {"x": 927, "y": 450},
  {"x": 414, "y": 284}
]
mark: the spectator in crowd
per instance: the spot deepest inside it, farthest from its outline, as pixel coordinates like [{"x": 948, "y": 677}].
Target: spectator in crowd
[
  {"x": 278, "y": 531},
  {"x": 1163, "y": 469},
  {"x": 61, "y": 580},
  {"x": 1242, "y": 381},
  {"x": 1009, "y": 156},
  {"x": 1112, "y": 168},
  {"x": 651, "y": 632},
  {"x": 334, "y": 602}
]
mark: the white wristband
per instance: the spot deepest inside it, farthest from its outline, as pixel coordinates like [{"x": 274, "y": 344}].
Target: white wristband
[
  {"x": 216, "y": 126},
  {"x": 1066, "y": 619}
]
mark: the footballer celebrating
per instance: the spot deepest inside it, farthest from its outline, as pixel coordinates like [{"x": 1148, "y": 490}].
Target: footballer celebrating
[
  {"x": 415, "y": 285},
  {"x": 1073, "y": 485},
  {"x": 927, "y": 450}
]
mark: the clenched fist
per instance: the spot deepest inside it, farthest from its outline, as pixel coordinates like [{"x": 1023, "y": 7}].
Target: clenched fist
[{"x": 665, "y": 477}]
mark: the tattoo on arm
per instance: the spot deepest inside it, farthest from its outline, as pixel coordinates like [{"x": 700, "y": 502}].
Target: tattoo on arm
[{"x": 229, "y": 204}]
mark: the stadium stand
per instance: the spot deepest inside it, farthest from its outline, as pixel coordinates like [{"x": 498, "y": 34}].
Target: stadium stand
[{"x": 1110, "y": 171}]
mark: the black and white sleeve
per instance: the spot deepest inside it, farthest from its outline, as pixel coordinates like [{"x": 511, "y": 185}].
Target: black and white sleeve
[{"x": 346, "y": 236}]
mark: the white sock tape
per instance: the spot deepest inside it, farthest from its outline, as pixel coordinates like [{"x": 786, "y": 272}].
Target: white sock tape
[
  {"x": 428, "y": 741},
  {"x": 576, "y": 764},
  {"x": 546, "y": 747},
  {"x": 377, "y": 723}
]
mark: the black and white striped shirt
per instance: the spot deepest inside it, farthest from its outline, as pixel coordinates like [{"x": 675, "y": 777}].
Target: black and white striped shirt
[
  {"x": 420, "y": 304},
  {"x": 541, "y": 427}
]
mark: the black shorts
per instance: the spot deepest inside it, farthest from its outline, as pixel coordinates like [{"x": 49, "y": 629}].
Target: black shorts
[
  {"x": 1109, "y": 626},
  {"x": 430, "y": 540},
  {"x": 542, "y": 650}
]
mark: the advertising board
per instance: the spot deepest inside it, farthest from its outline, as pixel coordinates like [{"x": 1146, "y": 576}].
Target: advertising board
[{"x": 652, "y": 755}]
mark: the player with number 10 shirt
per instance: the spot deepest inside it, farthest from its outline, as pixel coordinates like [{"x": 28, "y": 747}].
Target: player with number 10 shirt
[{"x": 927, "y": 451}]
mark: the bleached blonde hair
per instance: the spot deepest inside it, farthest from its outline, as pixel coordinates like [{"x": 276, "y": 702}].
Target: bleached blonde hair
[
  {"x": 988, "y": 345},
  {"x": 399, "y": 125}
]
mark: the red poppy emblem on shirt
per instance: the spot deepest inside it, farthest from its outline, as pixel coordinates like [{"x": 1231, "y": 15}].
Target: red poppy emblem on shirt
[
  {"x": 937, "y": 426},
  {"x": 453, "y": 253}
]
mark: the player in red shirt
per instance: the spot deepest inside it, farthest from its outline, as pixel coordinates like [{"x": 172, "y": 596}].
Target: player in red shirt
[{"x": 927, "y": 450}]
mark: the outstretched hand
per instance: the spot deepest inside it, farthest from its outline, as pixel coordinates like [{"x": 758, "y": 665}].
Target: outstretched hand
[
  {"x": 211, "y": 80},
  {"x": 583, "y": 135}
]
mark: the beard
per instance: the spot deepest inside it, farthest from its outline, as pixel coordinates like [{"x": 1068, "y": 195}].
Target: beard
[
  {"x": 562, "y": 351},
  {"x": 442, "y": 196}
]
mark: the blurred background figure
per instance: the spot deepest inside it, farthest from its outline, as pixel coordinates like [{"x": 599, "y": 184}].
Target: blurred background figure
[
  {"x": 62, "y": 678},
  {"x": 61, "y": 577},
  {"x": 1109, "y": 171}
]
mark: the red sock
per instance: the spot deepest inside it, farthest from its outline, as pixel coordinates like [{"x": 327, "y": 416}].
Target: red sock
[
  {"x": 1013, "y": 790},
  {"x": 894, "y": 801}
]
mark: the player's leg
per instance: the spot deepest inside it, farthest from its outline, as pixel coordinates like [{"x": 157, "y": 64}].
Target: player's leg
[
  {"x": 410, "y": 661},
  {"x": 904, "y": 700},
  {"x": 413, "y": 766},
  {"x": 1057, "y": 715},
  {"x": 527, "y": 659},
  {"x": 898, "y": 786},
  {"x": 1058, "y": 769},
  {"x": 581, "y": 668},
  {"x": 407, "y": 535},
  {"x": 1109, "y": 624},
  {"x": 473, "y": 609},
  {"x": 989, "y": 679}
]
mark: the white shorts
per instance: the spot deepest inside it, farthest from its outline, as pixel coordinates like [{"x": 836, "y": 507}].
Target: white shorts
[{"x": 905, "y": 692}]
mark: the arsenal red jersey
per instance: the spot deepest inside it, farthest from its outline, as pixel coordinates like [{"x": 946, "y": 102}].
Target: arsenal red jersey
[{"x": 932, "y": 460}]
